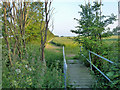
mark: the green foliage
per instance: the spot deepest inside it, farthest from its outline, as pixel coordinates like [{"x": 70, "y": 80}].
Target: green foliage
[
  {"x": 54, "y": 59},
  {"x": 109, "y": 50},
  {"x": 90, "y": 31},
  {"x": 92, "y": 23},
  {"x": 29, "y": 73},
  {"x": 71, "y": 47},
  {"x": 28, "y": 70},
  {"x": 34, "y": 26},
  {"x": 115, "y": 30}
]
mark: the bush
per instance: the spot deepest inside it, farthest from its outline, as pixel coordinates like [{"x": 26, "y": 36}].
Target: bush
[
  {"x": 30, "y": 71},
  {"x": 108, "y": 50}
]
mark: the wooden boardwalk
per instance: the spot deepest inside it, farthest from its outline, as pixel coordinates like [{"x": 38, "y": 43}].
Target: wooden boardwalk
[{"x": 79, "y": 75}]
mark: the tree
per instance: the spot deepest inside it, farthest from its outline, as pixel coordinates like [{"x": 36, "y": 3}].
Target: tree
[
  {"x": 34, "y": 20},
  {"x": 6, "y": 33},
  {"x": 38, "y": 23},
  {"x": 91, "y": 27},
  {"x": 92, "y": 24},
  {"x": 21, "y": 17},
  {"x": 115, "y": 30},
  {"x": 46, "y": 13},
  {"x": 14, "y": 19}
]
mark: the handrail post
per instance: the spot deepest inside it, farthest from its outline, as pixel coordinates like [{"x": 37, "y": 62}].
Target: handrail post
[
  {"x": 65, "y": 68},
  {"x": 90, "y": 61}
]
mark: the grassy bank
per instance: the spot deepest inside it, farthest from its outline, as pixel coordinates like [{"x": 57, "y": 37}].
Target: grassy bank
[
  {"x": 71, "y": 47},
  {"x": 31, "y": 73}
]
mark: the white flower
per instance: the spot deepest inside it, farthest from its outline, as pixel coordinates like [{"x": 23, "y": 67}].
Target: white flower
[
  {"x": 26, "y": 66},
  {"x": 29, "y": 69},
  {"x": 14, "y": 82},
  {"x": 18, "y": 71}
]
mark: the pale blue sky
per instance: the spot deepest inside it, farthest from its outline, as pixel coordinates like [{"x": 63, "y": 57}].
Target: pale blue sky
[{"x": 66, "y": 11}]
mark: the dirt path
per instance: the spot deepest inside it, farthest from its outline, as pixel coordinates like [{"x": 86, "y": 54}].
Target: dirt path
[
  {"x": 52, "y": 47},
  {"x": 70, "y": 55}
]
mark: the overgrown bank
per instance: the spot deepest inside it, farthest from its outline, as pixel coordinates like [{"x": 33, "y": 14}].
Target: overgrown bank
[
  {"x": 109, "y": 50},
  {"x": 31, "y": 73}
]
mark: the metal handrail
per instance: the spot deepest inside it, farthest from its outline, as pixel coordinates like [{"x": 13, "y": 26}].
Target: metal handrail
[
  {"x": 91, "y": 64},
  {"x": 98, "y": 69},
  {"x": 64, "y": 67},
  {"x": 101, "y": 57}
]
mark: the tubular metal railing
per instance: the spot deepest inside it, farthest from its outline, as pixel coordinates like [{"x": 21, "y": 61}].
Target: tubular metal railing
[
  {"x": 64, "y": 67},
  {"x": 91, "y": 64}
]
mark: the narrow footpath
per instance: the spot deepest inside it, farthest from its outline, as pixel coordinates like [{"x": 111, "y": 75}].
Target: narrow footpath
[{"x": 79, "y": 75}]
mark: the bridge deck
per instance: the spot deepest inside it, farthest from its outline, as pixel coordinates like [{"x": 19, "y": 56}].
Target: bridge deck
[{"x": 79, "y": 75}]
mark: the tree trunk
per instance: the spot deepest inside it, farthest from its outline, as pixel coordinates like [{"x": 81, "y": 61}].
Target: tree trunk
[
  {"x": 24, "y": 17},
  {"x": 6, "y": 33}
]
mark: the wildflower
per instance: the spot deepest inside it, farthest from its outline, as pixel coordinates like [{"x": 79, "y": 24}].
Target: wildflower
[
  {"x": 26, "y": 66},
  {"x": 18, "y": 71},
  {"x": 14, "y": 83},
  {"x": 29, "y": 69}
]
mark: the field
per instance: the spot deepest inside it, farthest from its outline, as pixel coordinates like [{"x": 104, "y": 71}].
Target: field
[
  {"x": 71, "y": 47},
  {"x": 113, "y": 44},
  {"x": 112, "y": 37}
]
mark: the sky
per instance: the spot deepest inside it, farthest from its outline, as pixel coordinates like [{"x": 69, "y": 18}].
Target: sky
[{"x": 66, "y": 10}]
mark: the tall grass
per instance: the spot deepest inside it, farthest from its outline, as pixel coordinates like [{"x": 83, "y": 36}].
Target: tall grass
[{"x": 31, "y": 73}]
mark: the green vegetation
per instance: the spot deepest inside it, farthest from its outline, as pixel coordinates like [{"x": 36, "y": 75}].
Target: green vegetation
[
  {"x": 34, "y": 26},
  {"x": 25, "y": 61},
  {"x": 27, "y": 73},
  {"x": 109, "y": 50},
  {"x": 36, "y": 40},
  {"x": 115, "y": 31},
  {"x": 92, "y": 29},
  {"x": 30, "y": 61},
  {"x": 71, "y": 47}
]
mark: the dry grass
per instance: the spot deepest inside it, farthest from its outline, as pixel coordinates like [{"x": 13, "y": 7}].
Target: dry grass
[
  {"x": 53, "y": 48},
  {"x": 111, "y": 37},
  {"x": 66, "y": 41}
]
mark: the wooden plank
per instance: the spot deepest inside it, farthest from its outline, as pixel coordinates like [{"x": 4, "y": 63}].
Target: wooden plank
[{"x": 78, "y": 75}]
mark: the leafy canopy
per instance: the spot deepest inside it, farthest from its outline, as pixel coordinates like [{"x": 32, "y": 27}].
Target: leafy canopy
[{"x": 92, "y": 23}]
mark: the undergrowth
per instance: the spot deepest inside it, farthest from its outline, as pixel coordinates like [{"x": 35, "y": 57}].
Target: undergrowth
[
  {"x": 109, "y": 50},
  {"x": 30, "y": 72}
]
